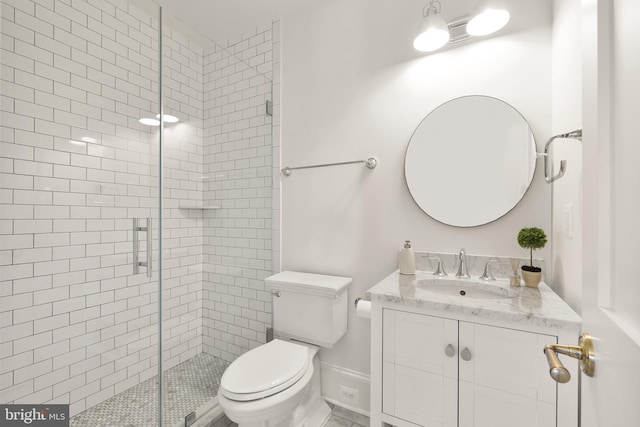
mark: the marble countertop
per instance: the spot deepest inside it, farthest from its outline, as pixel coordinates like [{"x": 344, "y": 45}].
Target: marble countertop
[{"x": 540, "y": 307}]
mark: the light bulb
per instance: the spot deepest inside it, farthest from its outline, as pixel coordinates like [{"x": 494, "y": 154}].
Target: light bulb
[
  {"x": 149, "y": 121},
  {"x": 433, "y": 34},
  {"x": 168, "y": 118},
  {"x": 487, "y": 21}
]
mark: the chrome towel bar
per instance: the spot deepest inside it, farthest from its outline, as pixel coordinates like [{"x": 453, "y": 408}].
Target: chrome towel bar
[{"x": 370, "y": 163}]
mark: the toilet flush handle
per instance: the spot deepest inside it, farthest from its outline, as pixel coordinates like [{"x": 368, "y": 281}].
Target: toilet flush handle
[{"x": 275, "y": 293}]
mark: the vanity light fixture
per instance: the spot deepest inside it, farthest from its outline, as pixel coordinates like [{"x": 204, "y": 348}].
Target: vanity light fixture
[
  {"x": 488, "y": 17},
  {"x": 434, "y": 32}
]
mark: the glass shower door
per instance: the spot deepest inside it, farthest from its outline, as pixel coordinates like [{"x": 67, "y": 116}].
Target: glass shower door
[
  {"x": 187, "y": 388},
  {"x": 79, "y": 193},
  {"x": 217, "y": 210}
]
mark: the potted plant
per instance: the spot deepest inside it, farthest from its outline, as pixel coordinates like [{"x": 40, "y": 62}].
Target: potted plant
[{"x": 532, "y": 238}]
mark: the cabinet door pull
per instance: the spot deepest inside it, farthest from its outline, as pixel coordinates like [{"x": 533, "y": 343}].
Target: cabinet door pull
[
  {"x": 465, "y": 354},
  {"x": 450, "y": 351}
]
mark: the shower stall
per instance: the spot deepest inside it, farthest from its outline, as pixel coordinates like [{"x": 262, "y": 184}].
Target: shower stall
[{"x": 136, "y": 185}]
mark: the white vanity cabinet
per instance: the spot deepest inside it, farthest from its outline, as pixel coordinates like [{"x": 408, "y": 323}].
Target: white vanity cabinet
[
  {"x": 450, "y": 360},
  {"x": 443, "y": 372},
  {"x": 506, "y": 379},
  {"x": 420, "y": 381}
]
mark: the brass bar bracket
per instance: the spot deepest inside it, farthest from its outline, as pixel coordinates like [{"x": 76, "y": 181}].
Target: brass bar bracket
[{"x": 583, "y": 352}]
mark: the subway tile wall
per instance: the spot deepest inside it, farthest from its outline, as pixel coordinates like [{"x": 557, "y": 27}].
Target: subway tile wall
[
  {"x": 75, "y": 166},
  {"x": 238, "y": 177},
  {"x": 183, "y": 186}
]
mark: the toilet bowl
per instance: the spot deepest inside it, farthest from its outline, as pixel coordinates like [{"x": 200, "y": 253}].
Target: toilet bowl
[{"x": 275, "y": 385}]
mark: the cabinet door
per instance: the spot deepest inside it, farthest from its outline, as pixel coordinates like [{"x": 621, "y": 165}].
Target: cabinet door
[
  {"x": 419, "y": 380},
  {"x": 506, "y": 382}
]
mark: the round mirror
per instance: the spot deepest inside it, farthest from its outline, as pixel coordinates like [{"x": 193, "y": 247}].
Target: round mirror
[{"x": 470, "y": 161}]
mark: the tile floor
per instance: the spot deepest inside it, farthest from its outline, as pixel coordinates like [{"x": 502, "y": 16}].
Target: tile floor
[
  {"x": 340, "y": 418},
  {"x": 344, "y": 418},
  {"x": 188, "y": 386}
]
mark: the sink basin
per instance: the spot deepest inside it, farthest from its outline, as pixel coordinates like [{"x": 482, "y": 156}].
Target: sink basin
[{"x": 463, "y": 289}]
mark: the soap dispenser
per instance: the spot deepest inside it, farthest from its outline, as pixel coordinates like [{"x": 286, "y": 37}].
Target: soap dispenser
[{"x": 407, "y": 260}]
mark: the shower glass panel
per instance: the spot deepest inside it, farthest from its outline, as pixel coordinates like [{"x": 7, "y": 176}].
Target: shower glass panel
[
  {"x": 216, "y": 209},
  {"x": 81, "y": 321},
  {"x": 79, "y": 189}
]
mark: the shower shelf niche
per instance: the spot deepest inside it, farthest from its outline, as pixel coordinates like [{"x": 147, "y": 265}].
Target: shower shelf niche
[{"x": 204, "y": 208}]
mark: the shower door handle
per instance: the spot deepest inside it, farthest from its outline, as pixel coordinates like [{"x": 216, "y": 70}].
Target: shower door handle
[{"x": 136, "y": 247}]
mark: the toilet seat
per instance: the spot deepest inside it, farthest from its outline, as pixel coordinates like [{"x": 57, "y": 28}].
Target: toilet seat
[{"x": 265, "y": 371}]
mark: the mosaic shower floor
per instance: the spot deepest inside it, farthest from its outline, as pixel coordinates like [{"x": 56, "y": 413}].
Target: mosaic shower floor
[{"x": 188, "y": 386}]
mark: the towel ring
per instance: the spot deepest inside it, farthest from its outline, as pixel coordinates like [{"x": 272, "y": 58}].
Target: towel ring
[{"x": 576, "y": 134}]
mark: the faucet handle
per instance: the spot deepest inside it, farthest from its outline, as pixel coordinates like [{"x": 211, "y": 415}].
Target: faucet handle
[
  {"x": 488, "y": 274},
  {"x": 439, "y": 268},
  {"x": 439, "y": 271}
]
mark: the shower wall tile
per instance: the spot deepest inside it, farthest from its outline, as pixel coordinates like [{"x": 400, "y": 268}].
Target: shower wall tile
[
  {"x": 75, "y": 325},
  {"x": 75, "y": 169}
]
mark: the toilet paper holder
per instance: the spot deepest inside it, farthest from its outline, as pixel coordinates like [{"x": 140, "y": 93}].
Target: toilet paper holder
[{"x": 363, "y": 308}]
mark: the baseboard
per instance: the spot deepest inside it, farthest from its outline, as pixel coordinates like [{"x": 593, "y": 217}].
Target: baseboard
[
  {"x": 333, "y": 376},
  {"x": 347, "y": 407}
]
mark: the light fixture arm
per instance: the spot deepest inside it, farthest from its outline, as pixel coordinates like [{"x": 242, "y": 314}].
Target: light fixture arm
[
  {"x": 457, "y": 29},
  {"x": 433, "y": 6},
  {"x": 433, "y": 32}
]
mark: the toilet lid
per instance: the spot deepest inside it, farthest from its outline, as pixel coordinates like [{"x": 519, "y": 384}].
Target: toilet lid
[{"x": 265, "y": 370}]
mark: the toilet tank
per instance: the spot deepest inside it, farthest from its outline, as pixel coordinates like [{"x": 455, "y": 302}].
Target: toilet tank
[{"x": 309, "y": 307}]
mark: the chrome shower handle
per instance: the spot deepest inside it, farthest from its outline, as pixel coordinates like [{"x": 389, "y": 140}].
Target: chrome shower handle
[
  {"x": 149, "y": 247},
  {"x": 136, "y": 247}
]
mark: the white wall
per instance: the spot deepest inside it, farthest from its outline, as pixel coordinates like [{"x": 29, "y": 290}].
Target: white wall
[
  {"x": 567, "y": 116},
  {"x": 352, "y": 87}
]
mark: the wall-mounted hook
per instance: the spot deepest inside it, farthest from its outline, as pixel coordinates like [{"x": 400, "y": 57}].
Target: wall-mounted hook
[{"x": 576, "y": 134}]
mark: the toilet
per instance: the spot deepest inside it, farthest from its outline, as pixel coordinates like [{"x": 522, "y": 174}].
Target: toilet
[{"x": 278, "y": 383}]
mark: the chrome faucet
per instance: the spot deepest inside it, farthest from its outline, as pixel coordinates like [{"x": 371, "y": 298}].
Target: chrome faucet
[{"x": 462, "y": 265}]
